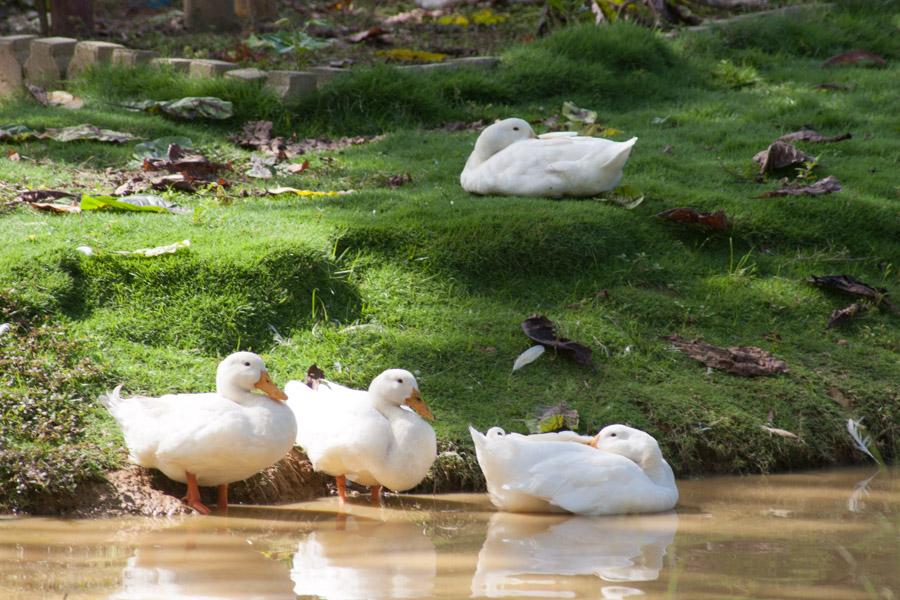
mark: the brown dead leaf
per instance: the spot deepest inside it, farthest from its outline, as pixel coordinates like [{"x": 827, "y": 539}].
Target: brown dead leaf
[
  {"x": 808, "y": 134},
  {"x": 780, "y": 432},
  {"x": 38, "y": 195},
  {"x": 55, "y": 208},
  {"x": 542, "y": 330},
  {"x": 832, "y": 87},
  {"x": 38, "y": 94},
  {"x": 64, "y": 100},
  {"x": 196, "y": 167},
  {"x": 297, "y": 167},
  {"x": 823, "y": 186},
  {"x": 13, "y": 155},
  {"x": 838, "y": 396},
  {"x": 856, "y": 57},
  {"x": 395, "y": 181},
  {"x": 853, "y": 287},
  {"x": 780, "y": 155},
  {"x": 747, "y": 361},
  {"x": 314, "y": 375},
  {"x": 715, "y": 220},
  {"x": 842, "y": 315},
  {"x": 370, "y": 34}
]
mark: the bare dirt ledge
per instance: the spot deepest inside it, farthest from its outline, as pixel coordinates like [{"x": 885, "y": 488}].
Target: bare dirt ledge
[{"x": 138, "y": 491}]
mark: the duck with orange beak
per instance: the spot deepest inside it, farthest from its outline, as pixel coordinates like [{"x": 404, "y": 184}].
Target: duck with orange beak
[
  {"x": 377, "y": 437},
  {"x": 210, "y": 439}
]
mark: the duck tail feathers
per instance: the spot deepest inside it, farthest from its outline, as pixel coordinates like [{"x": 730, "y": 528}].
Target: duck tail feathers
[
  {"x": 111, "y": 400},
  {"x": 618, "y": 160}
]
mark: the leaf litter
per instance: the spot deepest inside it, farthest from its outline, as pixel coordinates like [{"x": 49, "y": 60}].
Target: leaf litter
[
  {"x": 780, "y": 155},
  {"x": 542, "y": 330},
  {"x": 808, "y": 134},
  {"x": 747, "y": 361},
  {"x": 711, "y": 220},
  {"x": 550, "y": 419},
  {"x": 823, "y": 186},
  {"x": 845, "y": 284}
]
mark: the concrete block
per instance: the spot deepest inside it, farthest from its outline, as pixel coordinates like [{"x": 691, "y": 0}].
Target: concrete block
[
  {"x": 291, "y": 85},
  {"x": 210, "y": 15},
  {"x": 324, "y": 74},
  {"x": 253, "y": 75},
  {"x": 90, "y": 53},
  {"x": 48, "y": 60},
  {"x": 179, "y": 65},
  {"x": 13, "y": 53},
  {"x": 210, "y": 68},
  {"x": 127, "y": 57}
]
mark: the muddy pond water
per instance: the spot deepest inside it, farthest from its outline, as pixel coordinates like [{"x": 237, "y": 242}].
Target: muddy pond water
[{"x": 815, "y": 535}]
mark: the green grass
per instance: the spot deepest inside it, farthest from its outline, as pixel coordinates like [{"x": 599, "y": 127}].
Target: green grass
[{"x": 429, "y": 278}]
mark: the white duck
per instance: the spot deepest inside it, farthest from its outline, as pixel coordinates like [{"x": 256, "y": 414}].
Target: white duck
[
  {"x": 209, "y": 439},
  {"x": 620, "y": 470},
  {"x": 368, "y": 437},
  {"x": 510, "y": 160}
]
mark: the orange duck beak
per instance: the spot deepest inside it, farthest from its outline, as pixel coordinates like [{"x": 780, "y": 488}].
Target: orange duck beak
[{"x": 268, "y": 387}]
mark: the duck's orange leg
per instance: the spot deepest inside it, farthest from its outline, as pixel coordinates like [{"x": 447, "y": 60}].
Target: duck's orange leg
[
  {"x": 222, "y": 500},
  {"x": 341, "y": 482},
  {"x": 193, "y": 495},
  {"x": 375, "y": 490}
]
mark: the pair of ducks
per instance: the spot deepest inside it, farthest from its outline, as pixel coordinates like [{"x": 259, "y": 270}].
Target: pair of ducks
[{"x": 378, "y": 437}]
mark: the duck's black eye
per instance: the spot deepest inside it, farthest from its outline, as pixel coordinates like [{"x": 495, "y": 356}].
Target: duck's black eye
[
  {"x": 612, "y": 435},
  {"x": 246, "y": 364},
  {"x": 515, "y": 128},
  {"x": 399, "y": 381}
]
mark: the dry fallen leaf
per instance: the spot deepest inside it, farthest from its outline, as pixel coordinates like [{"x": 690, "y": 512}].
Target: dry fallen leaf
[
  {"x": 823, "y": 186},
  {"x": 314, "y": 375},
  {"x": 853, "y": 287},
  {"x": 13, "y": 156},
  {"x": 543, "y": 331},
  {"x": 370, "y": 34},
  {"x": 38, "y": 195},
  {"x": 65, "y": 100},
  {"x": 780, "y": 432},
  {"x": 747, "y": 361},
  {"x": 55, "y": 208},
  {"x": 842, "y": 315},
  {"x": 811, "y": 135},
  {"x": 297, "y": 167},
  {"x": 715, "y": 220},
  {"x": 780, "y": 155},
  {"x": 855, "y": 57},
  {"x": 395, "y": 181}
]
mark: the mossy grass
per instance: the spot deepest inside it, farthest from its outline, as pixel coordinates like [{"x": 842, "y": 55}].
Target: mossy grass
[{"x": 432, "y": 279}]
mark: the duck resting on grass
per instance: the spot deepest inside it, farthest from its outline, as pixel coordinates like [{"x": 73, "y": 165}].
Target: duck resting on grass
[
  {"x": 376, "y": 437},
  {"x": 619, "y": 471},
  {"x": 510, "y": 160},
  {"x": 209, "y": 439}
]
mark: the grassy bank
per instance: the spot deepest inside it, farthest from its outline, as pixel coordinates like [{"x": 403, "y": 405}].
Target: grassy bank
[{"x": 431, "y": 279}]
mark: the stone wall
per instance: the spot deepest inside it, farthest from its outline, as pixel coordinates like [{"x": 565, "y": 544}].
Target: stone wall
[{"x": 47, "y": 62}]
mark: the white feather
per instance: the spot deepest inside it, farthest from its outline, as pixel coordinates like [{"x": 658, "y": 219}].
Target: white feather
[
  {"x": 859, "y": 440},
  {"x": 528, "y": 357}
]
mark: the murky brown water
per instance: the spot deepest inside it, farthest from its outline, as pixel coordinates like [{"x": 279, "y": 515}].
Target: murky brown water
[{"x": 815, "y": 535}]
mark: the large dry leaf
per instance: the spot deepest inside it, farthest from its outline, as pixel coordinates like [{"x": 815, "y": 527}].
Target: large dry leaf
[
  {"x": 853, "y": 287},
  {"x": 257, "y": 135},
  {"x": 747, "y": 361},
  {"x": 190, "y": 108},
  {"x": 811, "y": 135},
  {"x": 549, "y": 419},
  {"x": 54, "y": 208},
  {"x": 314, "y": 375},
  {"x": 543, "y": 331},
  {"x": 715, "y": 220},
  {"x": 841, "y": 315},
  {"x": 823, "y": 186},
  {"x": 370, "y": 34},
  {"x": 39, "y": 195},
  {"x": 38, "y": 93},
  {"x": 195, "y": 167},
  {"x": 87, "y": 132},
  {"x": 64, "y": 100},
  {"x": 395, "y": 181},
  {"x": 780, "y": 155},
  {"x": 855, "y": 57},
  {"x": 576, "y": 114}
]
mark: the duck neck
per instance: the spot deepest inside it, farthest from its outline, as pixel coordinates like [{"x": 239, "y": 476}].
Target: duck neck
[
  {"x": 480, "y": 154},
  {"x": 386, "y": 408},
  {"x": 657, "y": 470},
  {"x": 232, "y": 391}
]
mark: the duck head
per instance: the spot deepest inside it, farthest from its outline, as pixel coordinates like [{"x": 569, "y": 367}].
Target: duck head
[
  {"x": 501, "y": 134},
  {"x": 631, "y": 443},
  {"x": 241, "y": 373},
  {"x": 399, "y": 388}
]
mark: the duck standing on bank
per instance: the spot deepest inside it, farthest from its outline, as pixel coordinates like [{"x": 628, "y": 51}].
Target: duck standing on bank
[
  {"x": 209, "y": 439},
  {"x": 619, "y": 471},
  {"x": 376, "y": 437},
  {"x": 510, "y": 160}
]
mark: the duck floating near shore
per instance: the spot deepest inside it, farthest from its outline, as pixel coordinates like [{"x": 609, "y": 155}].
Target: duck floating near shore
[
  {"x": 619, "y": 471},
  {"x": 209, "y": 439},
  {"x": 510, "y": 160},
  {"x": 376, "y": 437}
]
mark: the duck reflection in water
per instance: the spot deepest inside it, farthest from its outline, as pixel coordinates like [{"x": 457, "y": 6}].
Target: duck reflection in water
[
  {"x": 535, "y": 555},
  {"x": 364, "y": 560},
  {"x": 177, "y": 565}
]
